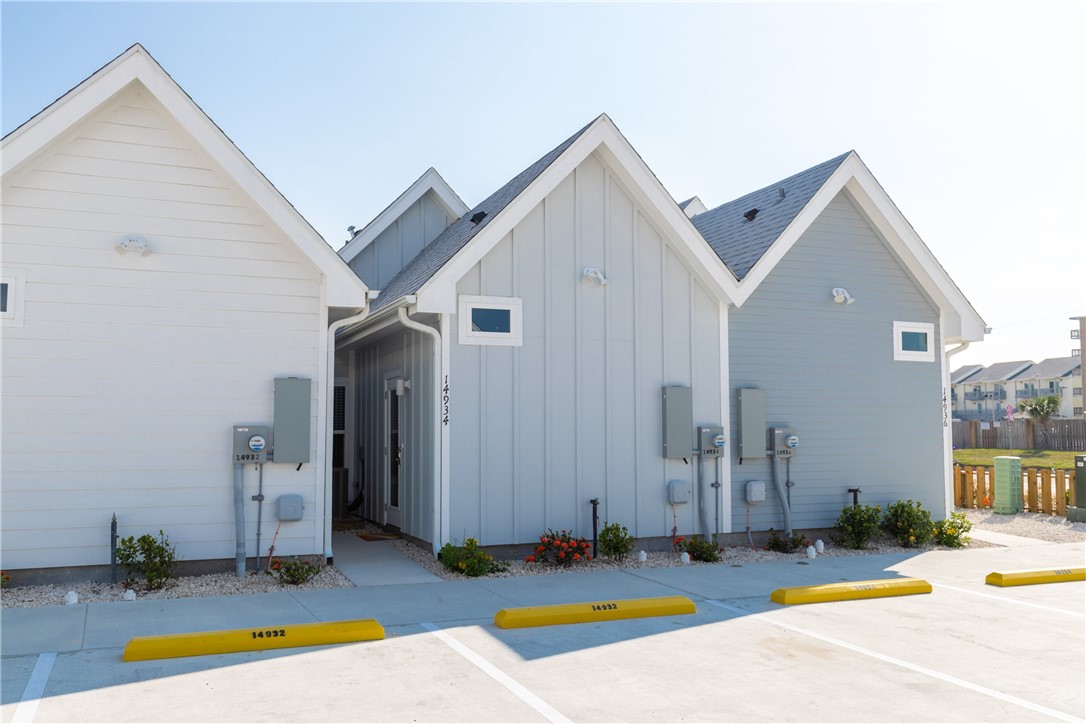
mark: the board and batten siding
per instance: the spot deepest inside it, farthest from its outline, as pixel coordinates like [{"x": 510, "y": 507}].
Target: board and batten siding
[
  {"x": 828, "y": 370},
  {"x": 409, "y": 355},
  {"x": 575, "y": 413},
  {"x": 121, "y": 388},
  {"x": 401, "y": 242}
]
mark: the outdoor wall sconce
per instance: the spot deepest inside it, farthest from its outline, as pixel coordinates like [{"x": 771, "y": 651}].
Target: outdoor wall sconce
[
  {"x": 133, "y": 243},
  {"x": 591, "y": 273},
  {"x": 840, "y": 296}
]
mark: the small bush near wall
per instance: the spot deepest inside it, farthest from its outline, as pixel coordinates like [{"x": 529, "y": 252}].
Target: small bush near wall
[
  {"x": 952, "y": 531},
  {"x": 908, "y": 523},
  {"x": 292, "y": 572},
  {"x": 786, "y": 545},
  {"x": 699, "y": 550},
  {"x": 560, "y": 548},
  {"x": 615, "y": 540},
  {"x": 154, "y": 559},
  {"x": 469, "y": 560},
  {"x": 857, "y": 525}
]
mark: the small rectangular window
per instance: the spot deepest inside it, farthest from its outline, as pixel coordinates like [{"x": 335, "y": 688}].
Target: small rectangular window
[
  {"x": 12, "y": 296},
  {"x": 489, "y": 321},
  {"x": 914, "y": 341}
]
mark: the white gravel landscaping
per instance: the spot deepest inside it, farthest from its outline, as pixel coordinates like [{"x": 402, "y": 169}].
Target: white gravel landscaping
[{"x": 1029, "y": 525}]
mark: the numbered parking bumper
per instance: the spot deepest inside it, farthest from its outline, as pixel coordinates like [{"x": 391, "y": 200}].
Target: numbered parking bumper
[
  {"x": 850, "y": 591},
  {"x": 204, "y": 643},
  {"x": 593, "y": 611},
  {"x": 1029, "y": 578}
]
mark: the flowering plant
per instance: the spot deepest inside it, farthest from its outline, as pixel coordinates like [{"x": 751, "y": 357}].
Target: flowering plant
[
  {"x": 293, "y": 572},
  {"x": 469, "y": 560},
  {"x": 909, "y": 523},
  {"x": 699, "y": 550},
  {"x": 952, "y": 531},
  {"x": 5, "y": 579},
  {"x": 560, "y": 549}
]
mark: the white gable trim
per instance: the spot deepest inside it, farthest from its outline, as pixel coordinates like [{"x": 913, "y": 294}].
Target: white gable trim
[
  {"x": 135, "y": 65},
  {"x": 429, "y": 181},
  {"x": 438, "y": 294},
  {"x": 962, "y": 323}
]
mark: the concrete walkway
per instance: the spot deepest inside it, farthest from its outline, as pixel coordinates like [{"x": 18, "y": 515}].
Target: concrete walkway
[
  {"x": 1005, "y": 539},
  {"x": 375, "y": 563}
]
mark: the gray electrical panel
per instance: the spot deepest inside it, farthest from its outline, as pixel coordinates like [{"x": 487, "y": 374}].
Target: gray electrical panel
[
  {"x": 678, "y": 422},
  {"x": 751, "y": 423},
  {"x": 289, "y": 507},
  {"x": 678, "y": 492},
  {"x": 251, "y": 443},
  {"x": 293, "y": 399}
]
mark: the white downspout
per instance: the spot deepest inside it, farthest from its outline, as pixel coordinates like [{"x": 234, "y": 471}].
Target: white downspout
[
  {"x": 437, "y": 444},
  {"x": 948, "y": 432},
  {"x": 330, "y": 377}
]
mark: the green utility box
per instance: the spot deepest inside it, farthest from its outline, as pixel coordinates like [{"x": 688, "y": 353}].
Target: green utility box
[
  {"x": 1077, "y": 513},
  {"x": 1008, "y": 485}
]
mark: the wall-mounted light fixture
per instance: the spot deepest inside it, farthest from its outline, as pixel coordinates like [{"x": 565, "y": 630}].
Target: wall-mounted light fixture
[
  {"x": 133, "y": 243},
  {"x": 591, "y": 272},
  {"x": 840, "y": 296}
]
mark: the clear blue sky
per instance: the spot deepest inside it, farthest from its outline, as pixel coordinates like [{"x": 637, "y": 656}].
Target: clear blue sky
[{"x": 971, "y": 115}]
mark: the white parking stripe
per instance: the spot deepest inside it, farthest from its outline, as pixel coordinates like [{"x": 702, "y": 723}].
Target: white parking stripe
[
  {"x": 28, "y": 706},
  {"x": 545, "y": 709},
  {"x": 1007, "y": 599},
  {"x": 906, "y": 665}
]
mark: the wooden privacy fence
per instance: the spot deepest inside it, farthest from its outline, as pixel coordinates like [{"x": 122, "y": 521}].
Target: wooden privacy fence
[
  {"x": 1044, "y": 490},
  {"x": 1022, "y": 434}
]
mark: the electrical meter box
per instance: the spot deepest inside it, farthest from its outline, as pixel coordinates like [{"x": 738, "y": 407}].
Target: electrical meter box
[
  {"x": 711, "y": 441},
  {"x": 756, "y": 491},
  {"x": 293, "y": 404},
  {"x": 678, "y": 491},
  {"x": 289, "y": 507},
  {"x": 251, "y": 443},
  {"x": 783, "y": 443},
  {"x": 678, "y": 422}
]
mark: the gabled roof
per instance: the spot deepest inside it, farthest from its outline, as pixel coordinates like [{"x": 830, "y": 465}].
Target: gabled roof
[
  {"x": 1052, "y": 368},
  {"x": 962, "y": 374},
  {"x": 433, "y": 274},
  {"x": 39, "y": 134},
  {"x": 740, "y": 241},
  {"x": 429, "y": 182},
  {"x": 1001, "y": 371},
  {"x": 757, "y": 248}
]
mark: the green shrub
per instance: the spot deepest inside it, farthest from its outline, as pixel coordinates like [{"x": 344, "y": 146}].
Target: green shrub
[
  {"x": 700, "y": 550},
  {"x": 469, "y": 560},
  {"x": 292, "y": 572},
  {"x": 786, "y": 545},
  {"x": 154, "y": 559},
  {"x": 615, "y": 540},
  {"x": 952, "y": 531},
  {"x": 560, "y": 549},
  {"x": 908, "y": 523},
  {"x": 857, "y": 525}
]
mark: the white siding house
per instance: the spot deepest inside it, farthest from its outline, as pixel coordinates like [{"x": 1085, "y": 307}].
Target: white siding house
[
  {"x": 514, "y": 367},
  {"x": 125, "y": 370}
]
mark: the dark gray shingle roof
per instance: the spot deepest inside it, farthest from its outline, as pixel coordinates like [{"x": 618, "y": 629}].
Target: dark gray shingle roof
[
  {"x": 964, "y": 373},
  {"x": 741, "y": 243},
  {"x": 1000, "y": 371},
  {"x": 1051, "y": 368},
  {"x": 438, "y": 252}
]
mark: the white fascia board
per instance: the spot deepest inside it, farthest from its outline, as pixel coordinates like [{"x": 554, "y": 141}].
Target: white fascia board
[
  {"x": 962, "y": 322},
  {"x": 429, "y": 181},
  {"x": 438, "y": 294},
  {"x": 342, "y": 287}
]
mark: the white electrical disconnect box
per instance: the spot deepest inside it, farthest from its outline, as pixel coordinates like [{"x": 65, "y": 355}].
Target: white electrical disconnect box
[
  {"x": 678, "y": 491},
  {"x": 289, "y": 507},
  {"x": 756, "y": 491}
]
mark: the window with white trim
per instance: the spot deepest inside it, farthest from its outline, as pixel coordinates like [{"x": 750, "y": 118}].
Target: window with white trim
[
  {"x": 490, "y": 321},
  {"x": 12, "y": 293},
  {"x": 914, "y": 341}
]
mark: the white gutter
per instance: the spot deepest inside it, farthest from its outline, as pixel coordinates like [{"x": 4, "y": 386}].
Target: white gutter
[
  {"x": 438, "y": 448},
  {"x": 330, "y": 377}
]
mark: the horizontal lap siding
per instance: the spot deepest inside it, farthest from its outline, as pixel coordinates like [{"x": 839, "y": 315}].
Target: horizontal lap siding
[
  {"x": 574, "y": 414},
  {"x": 121, "y": 388},
  {"x": 863, "y": 419}
]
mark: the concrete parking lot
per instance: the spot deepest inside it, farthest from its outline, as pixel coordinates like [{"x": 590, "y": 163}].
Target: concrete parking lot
[{"x": 965, "y": 652}]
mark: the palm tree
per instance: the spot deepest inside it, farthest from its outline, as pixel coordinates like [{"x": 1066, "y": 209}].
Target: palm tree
[{"x": 1041, "y": 409}]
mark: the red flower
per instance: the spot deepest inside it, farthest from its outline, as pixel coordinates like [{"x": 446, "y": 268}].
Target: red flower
[
  {"x": 540, "y": 549},
  {"x": 530, "y": 559},
  {"x": 561, "y": 554},
  {"x": 588, "y": 558},
  {"x": 576, "y": 556}
]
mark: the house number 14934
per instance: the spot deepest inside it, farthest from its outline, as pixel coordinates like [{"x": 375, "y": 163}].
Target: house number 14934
[{"x": 445, "y": 402}]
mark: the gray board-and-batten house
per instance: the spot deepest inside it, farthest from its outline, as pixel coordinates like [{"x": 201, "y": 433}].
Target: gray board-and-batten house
[{"x": 511, "y": 365}]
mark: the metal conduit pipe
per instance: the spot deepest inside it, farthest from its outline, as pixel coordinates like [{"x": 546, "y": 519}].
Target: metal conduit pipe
[
  {"x": 782, "y": 494},
  {"x": 239, "y": 520}
]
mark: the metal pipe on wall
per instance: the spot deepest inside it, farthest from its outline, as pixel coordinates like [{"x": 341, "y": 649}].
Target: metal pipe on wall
[{"x": 239, "y": 519}]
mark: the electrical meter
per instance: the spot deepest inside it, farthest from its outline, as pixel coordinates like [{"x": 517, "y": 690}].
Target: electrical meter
[
  {"x": 251, "y": 443},
  {"x": 785, "y": 442},
  {"x": 711, "y": 441}
]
